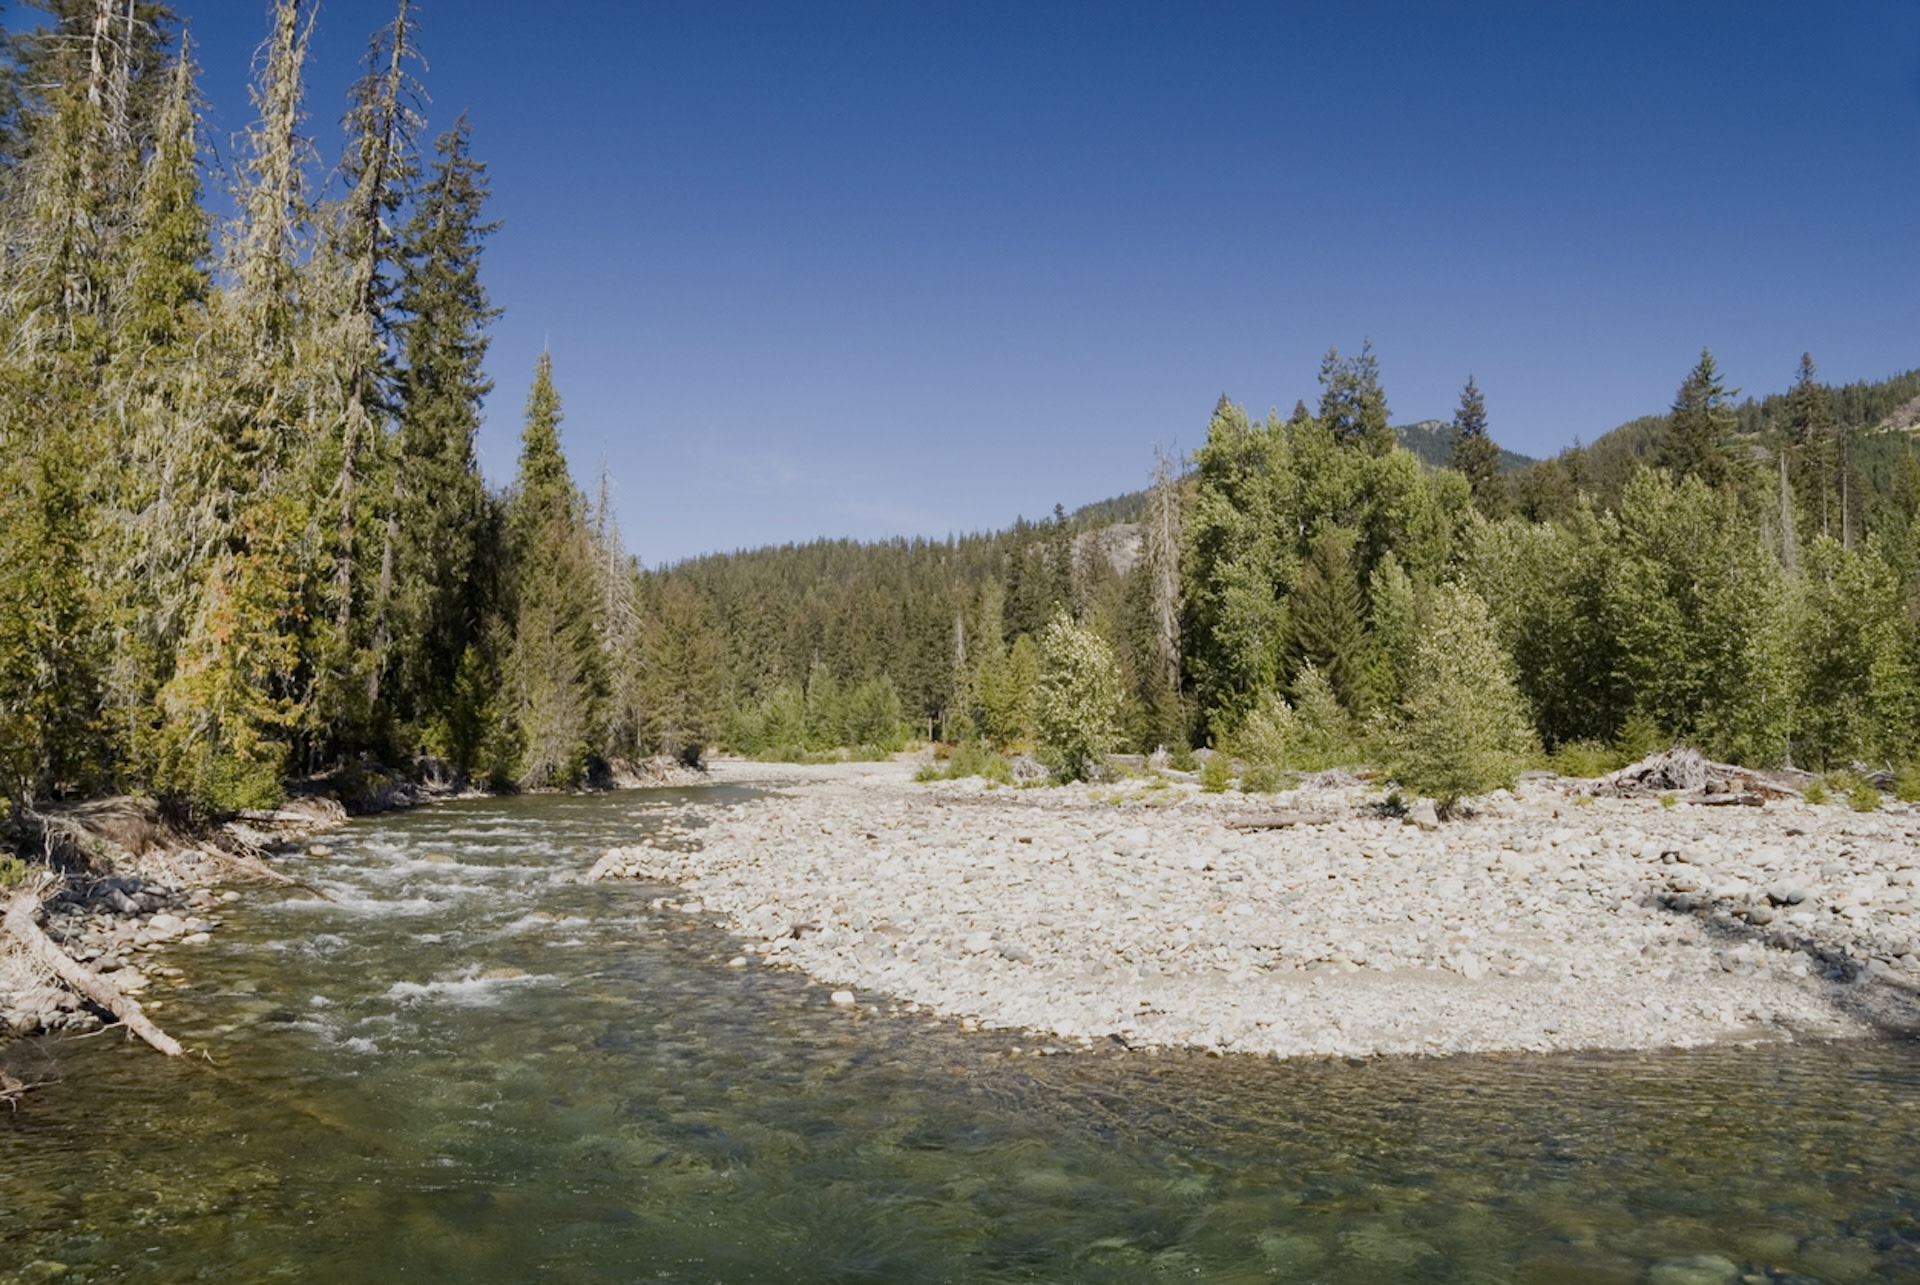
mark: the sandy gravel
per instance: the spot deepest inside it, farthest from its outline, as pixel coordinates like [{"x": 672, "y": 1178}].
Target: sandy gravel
[{"x": 1136, "y": 912}]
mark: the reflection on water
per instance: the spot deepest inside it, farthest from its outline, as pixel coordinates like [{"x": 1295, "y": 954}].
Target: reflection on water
[{"x": 469, "y": 1067}]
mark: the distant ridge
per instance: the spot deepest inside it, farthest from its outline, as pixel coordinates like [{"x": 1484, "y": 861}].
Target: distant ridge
[{"x": 1431, "y": 442}]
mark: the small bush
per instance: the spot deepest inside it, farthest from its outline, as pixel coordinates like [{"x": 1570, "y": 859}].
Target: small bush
[
  {"x": 1669, "y": 800},
  {"x": 1183, "y": 759},
  {"x": 1864, "y": 796},
  {"x": 972, "y": 758},
  {"x": 1816, "y": 792},
  {"x": 12, "y": 871},
  {"x": 1264, "y": 744},
  {"x": 1906, "y": 785},
  {"x": 1586, "y": 760},
  {"x": 1216, "y": 774}
]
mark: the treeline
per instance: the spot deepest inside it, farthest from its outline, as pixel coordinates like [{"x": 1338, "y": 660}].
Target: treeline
[
  {"x": 244, "y": 532},
  {"x": 1744, "y": 577}
]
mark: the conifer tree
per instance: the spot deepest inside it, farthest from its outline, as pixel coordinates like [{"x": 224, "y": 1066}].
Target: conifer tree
[
  {"x": 555, "y": 673},
  {"x": 444, "y": 587},
  {"x": 1474, "y": 453},
  {"x": 1353, "y": 406},
  {"x": 1695, "y": 442},
  {"x": 1328, "y": 631},
  {"x": 1814, "y": 447}
]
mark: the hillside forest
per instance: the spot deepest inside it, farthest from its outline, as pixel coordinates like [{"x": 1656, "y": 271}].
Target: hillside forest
[{"x": 247, "y": 540}]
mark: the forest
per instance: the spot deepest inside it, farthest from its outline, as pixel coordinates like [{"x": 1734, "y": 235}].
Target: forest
[{"x": 247, "y": 540}]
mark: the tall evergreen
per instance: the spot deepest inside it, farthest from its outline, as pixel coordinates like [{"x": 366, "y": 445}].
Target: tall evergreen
[
  {"x": 444, "y": 592},
  {"x": 1815, "y": 447},
  {"x": 1474, "y": 453},
  {"x": 555, "y": 672},
  {"x": 1695, "y": 444},
  {"x": 1353, "y": 406}
]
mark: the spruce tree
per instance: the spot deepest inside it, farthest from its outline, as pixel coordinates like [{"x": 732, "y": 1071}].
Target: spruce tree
[
  {"x": 1814, "y": 447},
  {"x": 1474, "y": 453},
  {"x": 1695, "y": 442},
  {"x": 443, "y": 587},
  {"x": 555, "y": 672},
  {"x": 1328, "y": 631},
  {"x": 1353, "y": 406}
]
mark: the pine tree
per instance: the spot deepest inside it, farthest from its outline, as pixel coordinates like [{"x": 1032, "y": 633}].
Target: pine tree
[
  {"x": 1474, "y": 453},
  {"x": 1814, "y": 446},
  {"x": 555, "y": 672},
  {"x": 1328, "y": 631},
  {"x": 1695, "y": 441},
  {"x": 1353, "y": 407},
  {"x": 444, "y": 591}
]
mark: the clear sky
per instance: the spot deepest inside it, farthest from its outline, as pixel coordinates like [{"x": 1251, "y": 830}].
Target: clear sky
[{"x": 867, "y": 269}]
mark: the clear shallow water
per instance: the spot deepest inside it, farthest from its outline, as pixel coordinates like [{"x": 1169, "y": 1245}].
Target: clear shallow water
[{"x": 469, "y": 1068}]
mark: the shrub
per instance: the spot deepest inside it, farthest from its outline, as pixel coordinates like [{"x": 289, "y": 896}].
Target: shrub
[
  {"x": 1216, "y": 774},
  {"x": 1816, "y": 792},
  {"x": 1906, "y": 785},
  {"x": 1864, "y": 796},
  {"x": 1264, "y": 744},
  {"x": 1183, "y": 759},
  {"x": 1586, "y": 759},
  {"x": 1078, "y": 698},
  {"x": 12, "y": 871},
  {"x": 1324, "y": 734},
  {"x": 1462, "y": 728}
]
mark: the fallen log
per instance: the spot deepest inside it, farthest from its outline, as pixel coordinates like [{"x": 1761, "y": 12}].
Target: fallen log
[
  {"x": 1729, "y": 801},
  {"x": 23, "y": 922},
  {"x": 1280, "y": 820}
]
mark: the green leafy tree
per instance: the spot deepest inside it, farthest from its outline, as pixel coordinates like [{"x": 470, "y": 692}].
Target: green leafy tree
[
  {"x": 1462, "y": 727},
  {"x": 1078, "y": 701}
]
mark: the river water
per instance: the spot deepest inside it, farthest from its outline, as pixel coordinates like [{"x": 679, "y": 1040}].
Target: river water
[{"x": 469, "y": 1067}]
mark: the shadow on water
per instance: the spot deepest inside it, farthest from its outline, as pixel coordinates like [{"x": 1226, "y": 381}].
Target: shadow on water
[{"x": 471, "y": 1067}]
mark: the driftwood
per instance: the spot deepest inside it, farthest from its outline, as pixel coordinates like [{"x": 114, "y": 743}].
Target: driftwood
[
  {"x": 1280, "y": 820},
  {"x": 22, "y": 921},
  {"x": 1681, "y": 771}
]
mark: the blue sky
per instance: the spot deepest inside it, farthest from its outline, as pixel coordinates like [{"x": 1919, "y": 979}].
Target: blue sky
[{"x": 849, "y": 269}]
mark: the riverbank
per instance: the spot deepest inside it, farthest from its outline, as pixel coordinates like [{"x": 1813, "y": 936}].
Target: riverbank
[{"x": 1140, "y": 913}]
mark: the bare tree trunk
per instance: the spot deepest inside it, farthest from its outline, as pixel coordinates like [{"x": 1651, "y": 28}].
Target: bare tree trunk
[{"x": 22, "y": 921}]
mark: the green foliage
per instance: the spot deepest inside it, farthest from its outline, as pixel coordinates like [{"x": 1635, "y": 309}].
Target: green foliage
[
  {"x": 1353, "y": 406},
  {"x": 1079, "y": 698},
  {"x": 1324, "y": 735},
  {"x": 1216, "y": 773},
  {"x": 971, "y": 758},
  {"x": 1856, "y": 696},
  {"x": 1906, "y": 783},
  {"x": 1462, "y": 729},
  {"x": 1863, "y": 795},
  {"x": 1816, "y": 792},
  {"x": 1327, "y": 631},
  {"x": 1264, "y": 744},
  {"x": 1695, "y": 445},
  {"x": 13, "y": 871},
  {"x": 1586, "y": 760},
  {"x": 1475, "y": 455}
]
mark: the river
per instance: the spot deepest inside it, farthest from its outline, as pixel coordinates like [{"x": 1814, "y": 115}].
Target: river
[{"x": 470, "y": 1067}]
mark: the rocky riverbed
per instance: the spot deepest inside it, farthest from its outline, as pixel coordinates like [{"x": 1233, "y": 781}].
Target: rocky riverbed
[{"x": 1140, "y": 912}]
